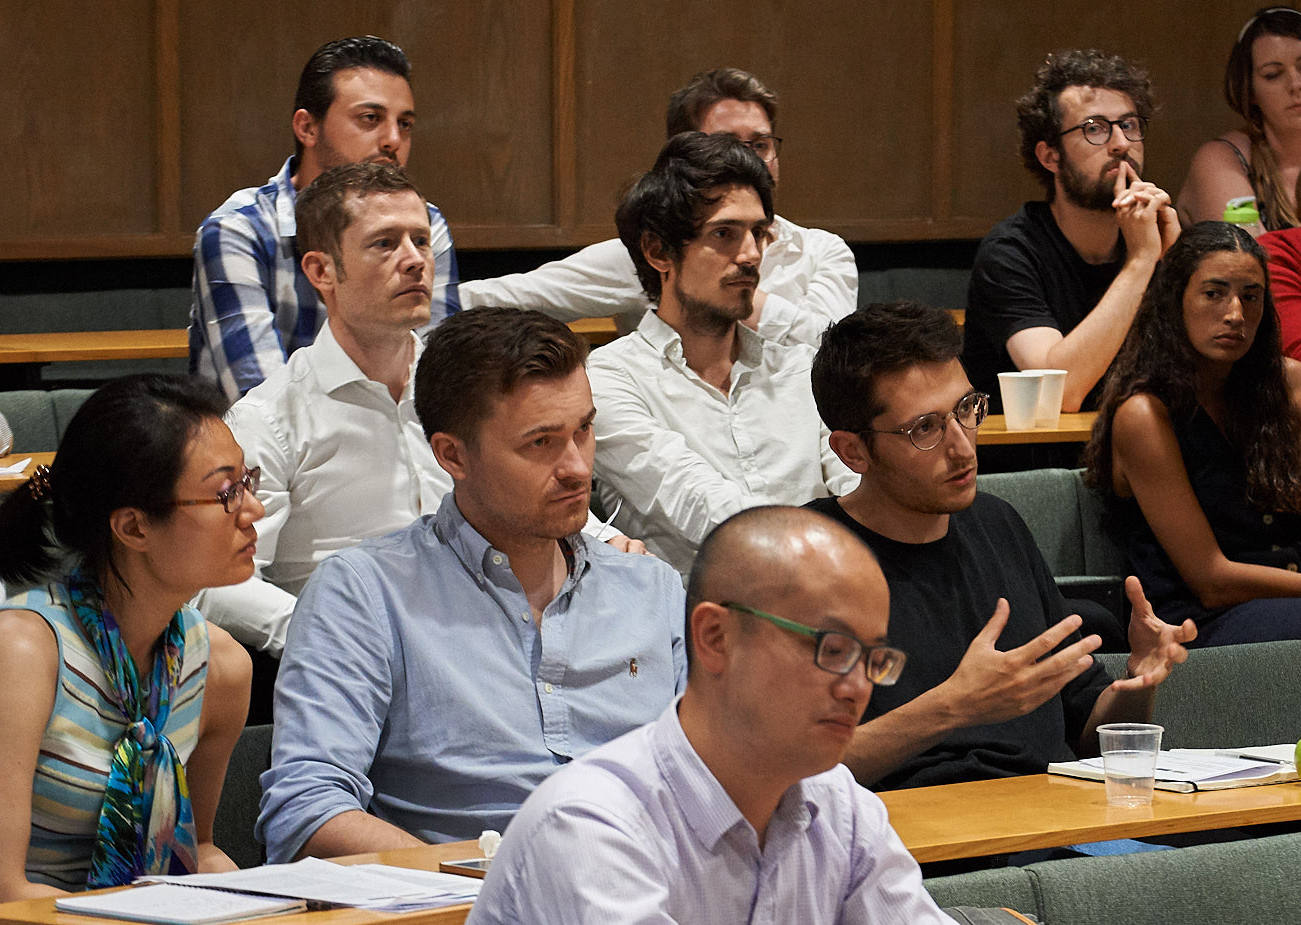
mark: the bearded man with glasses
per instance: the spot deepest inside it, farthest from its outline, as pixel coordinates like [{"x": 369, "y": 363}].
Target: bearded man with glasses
[
  {"x": 1057, "y": 285},
  {"x": 983, "y": 696}
]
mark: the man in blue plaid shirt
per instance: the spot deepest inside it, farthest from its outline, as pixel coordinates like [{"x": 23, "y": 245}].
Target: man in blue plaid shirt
[{"x": 253, "y": 306}]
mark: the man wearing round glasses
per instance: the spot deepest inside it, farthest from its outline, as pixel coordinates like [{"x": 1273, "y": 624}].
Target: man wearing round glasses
[
  {"x": 808, "y": 277},
  {"x": 999, "y": 682},
  {"x": 1057, "y": 285},
  {"x": 733, "y": 800}
]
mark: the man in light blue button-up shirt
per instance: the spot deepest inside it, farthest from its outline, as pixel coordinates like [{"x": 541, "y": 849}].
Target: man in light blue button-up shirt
[
  {"x": 732, "y": 807},
  {"x": 434, "y": 676}
]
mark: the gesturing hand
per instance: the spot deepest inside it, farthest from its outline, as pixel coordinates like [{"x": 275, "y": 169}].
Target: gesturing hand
[
  {"x": 990, "y": 686},
  {"x": 1155, "y": 646}
]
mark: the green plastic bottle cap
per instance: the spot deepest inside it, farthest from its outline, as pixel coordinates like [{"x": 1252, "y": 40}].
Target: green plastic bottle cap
[{"x": 1241, "y": 211}]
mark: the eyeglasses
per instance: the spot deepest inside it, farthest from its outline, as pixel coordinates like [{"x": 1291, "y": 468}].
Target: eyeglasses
[
  {"x": 839, "y": 653},
  {"x": 927, "y": 432},
  {"x": 231, "y": 499},
  {"x": 766, "y": 146},
  {"x": 1098, "y": 131}
]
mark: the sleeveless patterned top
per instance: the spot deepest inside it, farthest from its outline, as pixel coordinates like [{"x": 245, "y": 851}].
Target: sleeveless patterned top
[{"x": 73, "y": 764}]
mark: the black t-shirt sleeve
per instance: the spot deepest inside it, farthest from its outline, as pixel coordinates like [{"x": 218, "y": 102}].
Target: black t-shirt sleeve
[
  {"x": 1081, "y": 693},
  {"x": 1007, "y": 294}
]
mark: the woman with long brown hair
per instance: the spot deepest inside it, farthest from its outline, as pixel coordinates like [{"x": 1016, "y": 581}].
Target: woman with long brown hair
[{"x": 1198, "y": 443}]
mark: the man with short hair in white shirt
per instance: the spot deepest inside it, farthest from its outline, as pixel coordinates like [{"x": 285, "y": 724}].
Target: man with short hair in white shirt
[
  {"x": 808, "y": 278},
  {"x": 698, "y": 416},
  {"x": 335, "y": 431},
  {"x": 732, "y": 807}
]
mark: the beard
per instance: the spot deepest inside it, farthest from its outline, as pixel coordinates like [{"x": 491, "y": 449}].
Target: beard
[
  {"x": 714, "y": 318},
  {"x": 1095, "y": 194}
]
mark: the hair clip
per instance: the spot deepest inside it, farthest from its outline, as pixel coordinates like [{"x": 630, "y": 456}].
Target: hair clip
[
  {"x": 39, "y": 483},
  {"x": 1263, "y": 13}
]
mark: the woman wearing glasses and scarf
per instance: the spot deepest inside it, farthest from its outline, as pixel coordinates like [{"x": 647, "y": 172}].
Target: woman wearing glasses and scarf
[
  {"x": 1198, "y": 443},
  {"x": 119, "y": 706}
]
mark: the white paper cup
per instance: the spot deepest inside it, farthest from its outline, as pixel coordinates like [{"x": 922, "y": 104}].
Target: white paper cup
[
  {"x": 1020, "y": 393},
  {"x": 1048, "y": 413},
  {"x": 1129, "y": 753}
]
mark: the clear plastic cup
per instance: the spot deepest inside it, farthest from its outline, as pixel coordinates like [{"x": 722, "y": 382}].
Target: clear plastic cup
[{"x": 1129, "y": 753}]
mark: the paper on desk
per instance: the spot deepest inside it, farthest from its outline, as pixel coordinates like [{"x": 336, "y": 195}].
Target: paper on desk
[
  {"x": 15, "y": 469},
  {"x": 448, "y": 889},
  {"x": 1197, "y": 766},
  {"x": 175, "y": 905},
  {"x": 317, "y": 881},
  {"x": 1279, "y": 754}
]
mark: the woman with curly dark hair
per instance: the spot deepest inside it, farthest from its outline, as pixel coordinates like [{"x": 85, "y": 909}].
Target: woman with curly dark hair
[{"x": 1198, "y": 442}]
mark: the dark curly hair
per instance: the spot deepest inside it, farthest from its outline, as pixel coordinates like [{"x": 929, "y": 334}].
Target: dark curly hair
[
  {"x": 1040, "y": 118},
  {"x": 1157, "y": 358},
  {"x": 668, "y": 202}
]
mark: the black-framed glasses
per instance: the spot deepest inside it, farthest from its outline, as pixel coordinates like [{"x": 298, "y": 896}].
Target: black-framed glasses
[
  {"x": 836, "y": 652},
  {"x": 232, "y": 498},
  {"x": 766, "y": 146},
  {"x": 1097, "y": 131},
  {"x": 927, "y": 432}
]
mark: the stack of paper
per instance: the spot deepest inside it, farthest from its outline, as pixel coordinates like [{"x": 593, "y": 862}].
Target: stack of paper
[
  {"x": 1185, "y": 770},
  {"x": 171, "y": 904},
  {"x": 324, "y": 884}
]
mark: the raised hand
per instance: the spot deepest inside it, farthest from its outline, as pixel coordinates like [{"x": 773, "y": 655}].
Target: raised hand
[{"x": 992, "y": 686}]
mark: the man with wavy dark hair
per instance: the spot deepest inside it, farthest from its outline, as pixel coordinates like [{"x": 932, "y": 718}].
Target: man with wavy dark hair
[
  {"x": 253, "y": 305},
  {"x": 700, "y": 416},
  {"x": 807, "y": 276},
  {"x": 1057, "y": 285}
]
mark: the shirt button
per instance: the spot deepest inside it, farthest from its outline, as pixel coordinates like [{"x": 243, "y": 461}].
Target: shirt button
[
  {"x": 1267, "y": 519},
  {"x": 1275, "y": 548},
  {"x": 526, "y": 616},
  {"x": 1291, "y": 566},
  {"x": 496, "y": 560},
  {"x": 547, "y": 687}
]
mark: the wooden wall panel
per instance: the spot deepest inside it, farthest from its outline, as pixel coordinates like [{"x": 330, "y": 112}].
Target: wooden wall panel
[
  {"x": 481, "y": 79},
  {"x": 79, "y": 118},
  {"x": 129, "y": 120},
  {"x": 1184, "y": 45},
  {"x": 828, "y": 70}
]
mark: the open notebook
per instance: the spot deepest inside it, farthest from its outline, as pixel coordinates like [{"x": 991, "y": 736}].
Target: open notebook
[{"x": 1187, "y": 770}]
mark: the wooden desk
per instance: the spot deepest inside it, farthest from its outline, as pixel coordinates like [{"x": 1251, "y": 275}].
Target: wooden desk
[
  {"x": 1047, "y": 811},
  {"x": 1072, "y": 428},
  {"x": 21, "y": 355},
  {"x": 423, "y": 858},
  {"x": 55, "y": 346},
  {"x": 63, "y": 346},
  {"x": 598, "y": 331},
  {"x": 9, "y": 482}
]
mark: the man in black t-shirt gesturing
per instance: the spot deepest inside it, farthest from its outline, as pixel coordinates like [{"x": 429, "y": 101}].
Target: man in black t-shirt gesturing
[
  {"x": 999, "y": 682},
  {"x": 1057, "y": 285}
]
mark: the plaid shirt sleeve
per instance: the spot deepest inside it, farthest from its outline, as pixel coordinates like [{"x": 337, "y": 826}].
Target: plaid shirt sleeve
[
  {"x": 233, "y": 332},
  {"x": 446, "y": 299}
]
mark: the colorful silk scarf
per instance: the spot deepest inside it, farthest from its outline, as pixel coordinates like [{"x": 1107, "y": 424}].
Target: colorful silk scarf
[{"x": 146, "y": 824}]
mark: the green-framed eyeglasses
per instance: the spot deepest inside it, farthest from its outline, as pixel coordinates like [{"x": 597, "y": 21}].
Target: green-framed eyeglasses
[{"x": 838, "y": 652}]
